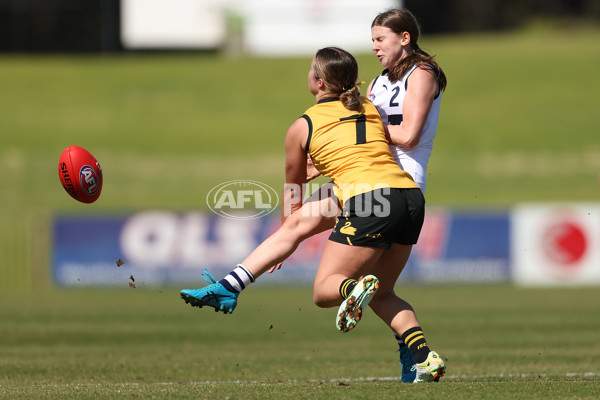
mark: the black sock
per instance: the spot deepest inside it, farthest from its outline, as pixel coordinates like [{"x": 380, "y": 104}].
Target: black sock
[
  {"x": 399, "y": 340},
  {"x": 415, "y": 340},
  {"x": 347, "y": 287}
]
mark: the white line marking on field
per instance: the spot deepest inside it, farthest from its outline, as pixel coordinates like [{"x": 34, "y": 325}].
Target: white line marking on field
[{"x": 336, "y": 380}]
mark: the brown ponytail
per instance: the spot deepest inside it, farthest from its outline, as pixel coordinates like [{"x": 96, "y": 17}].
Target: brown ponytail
[
  {"x": 351, "y": 99},
  {"x": 339, "y": 71}
]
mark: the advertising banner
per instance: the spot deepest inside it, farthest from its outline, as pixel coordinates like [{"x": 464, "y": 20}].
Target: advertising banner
[
  {"x": 156, "y": 248},
  {"x": 178, "y": 24},
  {"x": 556, "y": 244},
  {"x": 461, "y": 247},
  {"x": 300, "y": 27}
]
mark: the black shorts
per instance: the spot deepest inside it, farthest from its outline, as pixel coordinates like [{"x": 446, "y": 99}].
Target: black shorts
[{"x": 381, "y": 217}]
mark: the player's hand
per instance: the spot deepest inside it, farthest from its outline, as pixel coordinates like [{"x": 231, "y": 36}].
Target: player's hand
[
  {"x": 275, "y": 267},
  {"x": 311, "y": 171}
]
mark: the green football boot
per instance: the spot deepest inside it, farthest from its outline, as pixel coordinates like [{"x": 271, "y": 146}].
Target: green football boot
[
  {"x": 432, "y": 369},
  {"x": 351, "y": 309}
]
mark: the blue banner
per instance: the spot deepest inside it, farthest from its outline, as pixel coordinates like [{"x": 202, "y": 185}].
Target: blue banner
[
  {"x": 461, "y": 247},
  {"x": 157, "y": 248}
]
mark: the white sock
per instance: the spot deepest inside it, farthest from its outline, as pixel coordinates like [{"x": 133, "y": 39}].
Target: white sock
[{"x": 239, "y": 278}]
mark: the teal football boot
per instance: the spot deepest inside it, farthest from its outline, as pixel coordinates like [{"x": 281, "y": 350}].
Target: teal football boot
[
  {"x": 214, "y": 295},
  {"x": 408, "y": 364}
]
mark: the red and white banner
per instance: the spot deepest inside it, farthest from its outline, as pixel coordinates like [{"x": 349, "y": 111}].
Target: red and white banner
[{"x": 556, "y": 244}]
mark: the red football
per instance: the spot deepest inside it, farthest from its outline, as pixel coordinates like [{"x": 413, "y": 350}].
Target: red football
[{"x": 80, "y": 174}]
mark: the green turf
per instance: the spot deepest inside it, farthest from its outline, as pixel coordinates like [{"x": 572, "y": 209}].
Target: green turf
[
  {"x": 519, "y": 120},
  {"x": 519, "y": 123},
  {"x": 499, "y": 342}
]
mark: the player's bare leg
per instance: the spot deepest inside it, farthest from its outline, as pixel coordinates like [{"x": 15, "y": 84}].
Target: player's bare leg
[
  {"x": 315, "y": 216},
  {"x": 341, "y": 263},
  {"x": 399, "y": 315}
]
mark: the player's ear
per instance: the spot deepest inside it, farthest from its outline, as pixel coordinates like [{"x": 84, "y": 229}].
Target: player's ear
[{"x": 404, "y": 38}]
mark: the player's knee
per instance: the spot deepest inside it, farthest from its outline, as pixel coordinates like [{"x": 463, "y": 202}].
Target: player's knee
[
  {"x": 319, "y": 299},
  {"x": 291, "y": 226},
  {"x": 323, "y": 297},
  {"x": 298, "y": 226}
]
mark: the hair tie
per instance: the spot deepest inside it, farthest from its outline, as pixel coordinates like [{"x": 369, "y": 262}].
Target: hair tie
[{"x": 350, "y": 86}]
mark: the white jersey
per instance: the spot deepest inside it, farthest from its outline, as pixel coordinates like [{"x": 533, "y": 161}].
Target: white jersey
[{"x": 388, "y": 98}]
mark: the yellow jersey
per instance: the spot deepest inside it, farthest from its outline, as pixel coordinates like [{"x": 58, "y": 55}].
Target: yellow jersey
[{"x": 350, "y": 148}]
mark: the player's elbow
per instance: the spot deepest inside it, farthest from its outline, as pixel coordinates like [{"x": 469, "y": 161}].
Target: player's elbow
[
  {"x": 411, "y": 143},
  {"x": 294, "y": 174},
  {"x": 406, "y": 139}
]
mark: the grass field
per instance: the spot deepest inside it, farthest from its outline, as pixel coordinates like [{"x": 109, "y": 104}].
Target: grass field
[
  {"x": 519, "y": 123},
  {"x": 519, "y": 119},
  {"x": 499, "y": 342}
]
